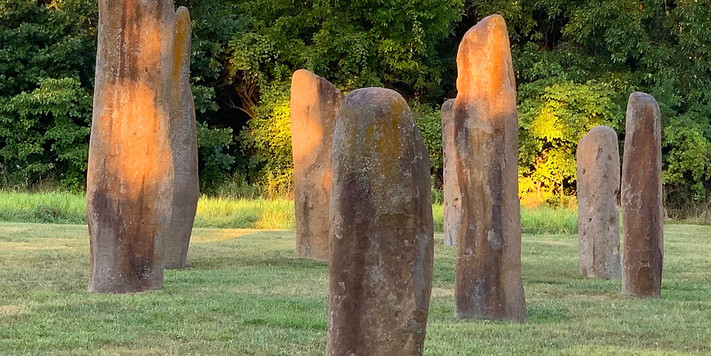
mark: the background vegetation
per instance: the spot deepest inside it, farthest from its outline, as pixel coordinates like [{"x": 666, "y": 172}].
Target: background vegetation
[{"x": 576, "y": 63}]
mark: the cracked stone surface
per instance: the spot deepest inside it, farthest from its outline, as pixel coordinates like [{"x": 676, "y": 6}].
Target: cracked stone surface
[{"x": 488, "y": 273}]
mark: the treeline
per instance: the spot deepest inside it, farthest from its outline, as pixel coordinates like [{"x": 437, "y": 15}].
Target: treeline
[{"x": 576, "y": 63}]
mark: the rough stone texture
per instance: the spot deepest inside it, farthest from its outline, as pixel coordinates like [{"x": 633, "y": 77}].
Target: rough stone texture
[
  {"x": 130, "y": 174},
  {"x": 488, "y": 273},
  {"x": 314, "y": 106},
  {"x": 381, "y": 229},
  {"x": 642, "y": 214},
  {"x": 598, "y": 216},
  {"x": 452, "y": 195},
  {"x": 183, "y": 138}
]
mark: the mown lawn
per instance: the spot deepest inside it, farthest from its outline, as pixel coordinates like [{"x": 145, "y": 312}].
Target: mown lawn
[{"x": 246, "y": 294}]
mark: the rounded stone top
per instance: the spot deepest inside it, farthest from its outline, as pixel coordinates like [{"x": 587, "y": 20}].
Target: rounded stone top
[
  {"x": 642, "y": 98},
  {"x": 602, "y": 130},
  {"x": 182, "y": 11},
  {"x": 303, "y": 74},
  {"x": 448, "y": 105},
  {"x": 374, "y": 98}
]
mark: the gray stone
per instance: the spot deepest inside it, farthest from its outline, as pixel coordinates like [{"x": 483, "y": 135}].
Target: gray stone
[
  {"x": 183, "y": 138},
  {"x": 381, "y": 229},
  {"x": 488, "y": 273},
  {"x": 452, "y": 195},
  {"x": 598, "y": 160},
  {"x": 314, "y": 106},
  {"x": 130, "y": 173},
  {"x": 642, "y": 209}
]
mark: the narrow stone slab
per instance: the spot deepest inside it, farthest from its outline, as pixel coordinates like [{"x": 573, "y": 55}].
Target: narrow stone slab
[
  {"x": 642, "y": 209},
  {"x": 452, "y": 195},
  {"x": 488, "y": 273},
  {"x": 381, "y": 229},
  {"x": 183, "y": 138},
  {"x": 314, "y": 106},
  {"x": 598, "y": 160},
  {"x": 130, "y": 173}
]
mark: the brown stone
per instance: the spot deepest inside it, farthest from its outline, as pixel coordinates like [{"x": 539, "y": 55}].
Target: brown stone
[
  {"x": 130, "y": 173},
  {"x": 452, "y": 195},
  {"x": 642, "y": 209},
  {"x": 598, "y": 159},
  {"x": 183, "y": 138},
  {"x": 314, "y": 106},
  {"x": 381, "y": 229},
  {"x": 488, "y": 273}
]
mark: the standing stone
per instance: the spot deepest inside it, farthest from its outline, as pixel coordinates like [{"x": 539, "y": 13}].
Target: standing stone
[
  {"x": 598, "y": 217},
  {"x": 183, "y": 138},
  {"x": 452, "y": 195},
  {"x": 130, "y": 173},
  {"x": 488, "y": 273},
  {"x": 314, "y": 106},
  {"x": 642, "y": 214},
  {"x": 381, "y": 229}
]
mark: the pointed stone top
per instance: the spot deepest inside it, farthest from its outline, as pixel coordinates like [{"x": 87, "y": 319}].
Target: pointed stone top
[{"x": 484, "y": 59}]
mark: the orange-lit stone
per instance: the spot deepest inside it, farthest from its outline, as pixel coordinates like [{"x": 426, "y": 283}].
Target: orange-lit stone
[
  {"x": 130, "y": 174},
  {"x": 488, "y": 273},
  {"x": 452, "y": 196},
  {"x": 381, "y": 229},
  {"x": 642, "y": 200},
  {"x": 314, "y": 105},
  {"x": 183, "y": 138}
]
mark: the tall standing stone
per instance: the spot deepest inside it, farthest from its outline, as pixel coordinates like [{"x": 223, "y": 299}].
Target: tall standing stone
[
  {"x": 488, "y": 273},
  {"x": 183, "y": 138},
  {"x": 130, "y": 173},
  {"x": 642, "y": 209},
  {"x": 452, "y": 195},
  {"x": 598, "y": 160},
  {"x": 381, "y": 229},
  {"x": 314, "y": 106}
]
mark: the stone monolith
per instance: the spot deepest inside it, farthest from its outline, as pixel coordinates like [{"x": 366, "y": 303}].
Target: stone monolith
[
  {"x": 642, "y": 209},
  {"x": 598, "y": 163},
  {"x": 452, "y": 196},
  {"x": 130, "y": 173},
  {"x": 314, "y": 106},
  {"x": 381, "y": 229},
  {"x": 488, "y": 273},
  {"x": 183, "y": 138}
]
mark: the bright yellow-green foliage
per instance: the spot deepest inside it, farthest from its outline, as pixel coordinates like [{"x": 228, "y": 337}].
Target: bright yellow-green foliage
[{"x": 246, "y": 293}]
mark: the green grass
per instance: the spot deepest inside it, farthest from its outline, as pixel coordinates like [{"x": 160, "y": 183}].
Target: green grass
[
  {"x": 245, "y": 293},
  {"x": 65, "y": 208}
]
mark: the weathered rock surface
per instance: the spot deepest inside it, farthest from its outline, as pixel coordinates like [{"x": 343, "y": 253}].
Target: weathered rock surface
[
  {"x": 488, "y": 273},
  {"x": 130, "y": 174},
  {"x": 598, "y": 216},
  {"x": 314, "y": 106},
  {"x": 381, "y": 229},
  {"x": 183, "y": 138},
  {"x": 452, "y": 195},
  {"x": 642, "y": 209}
]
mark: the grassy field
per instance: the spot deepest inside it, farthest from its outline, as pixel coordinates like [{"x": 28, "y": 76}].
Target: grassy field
[
  {"x": 65, "y": 208},
  {"x": 245, "y": 293}
]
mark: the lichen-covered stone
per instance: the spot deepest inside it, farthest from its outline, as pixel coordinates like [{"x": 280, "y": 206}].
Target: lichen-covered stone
[
  {"x": 642, "y": 209},
  {"x": 452, "y": 196},
  {"x": 314, "y": 106},
  {"x": 381, "y": 229},
  {"x": 130, "y": 173},
  {"x": 183, "y": 138},
  {"x": 488, "y": 273},
  {"x": 598, "y": 163}
]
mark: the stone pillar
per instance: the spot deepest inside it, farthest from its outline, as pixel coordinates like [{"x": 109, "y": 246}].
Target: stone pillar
[
  {"x": 452, "y": 196},
  {"x": 381, "y": 229},
  {"x": 642, "y": 214},
  {"x": 130, "y": 173},
  {"x": 314, "y": 106},
  {"x": 183, "y": 138},
  {"x": 488, "y": 273},
  {"x": 598, "y": 159}
]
